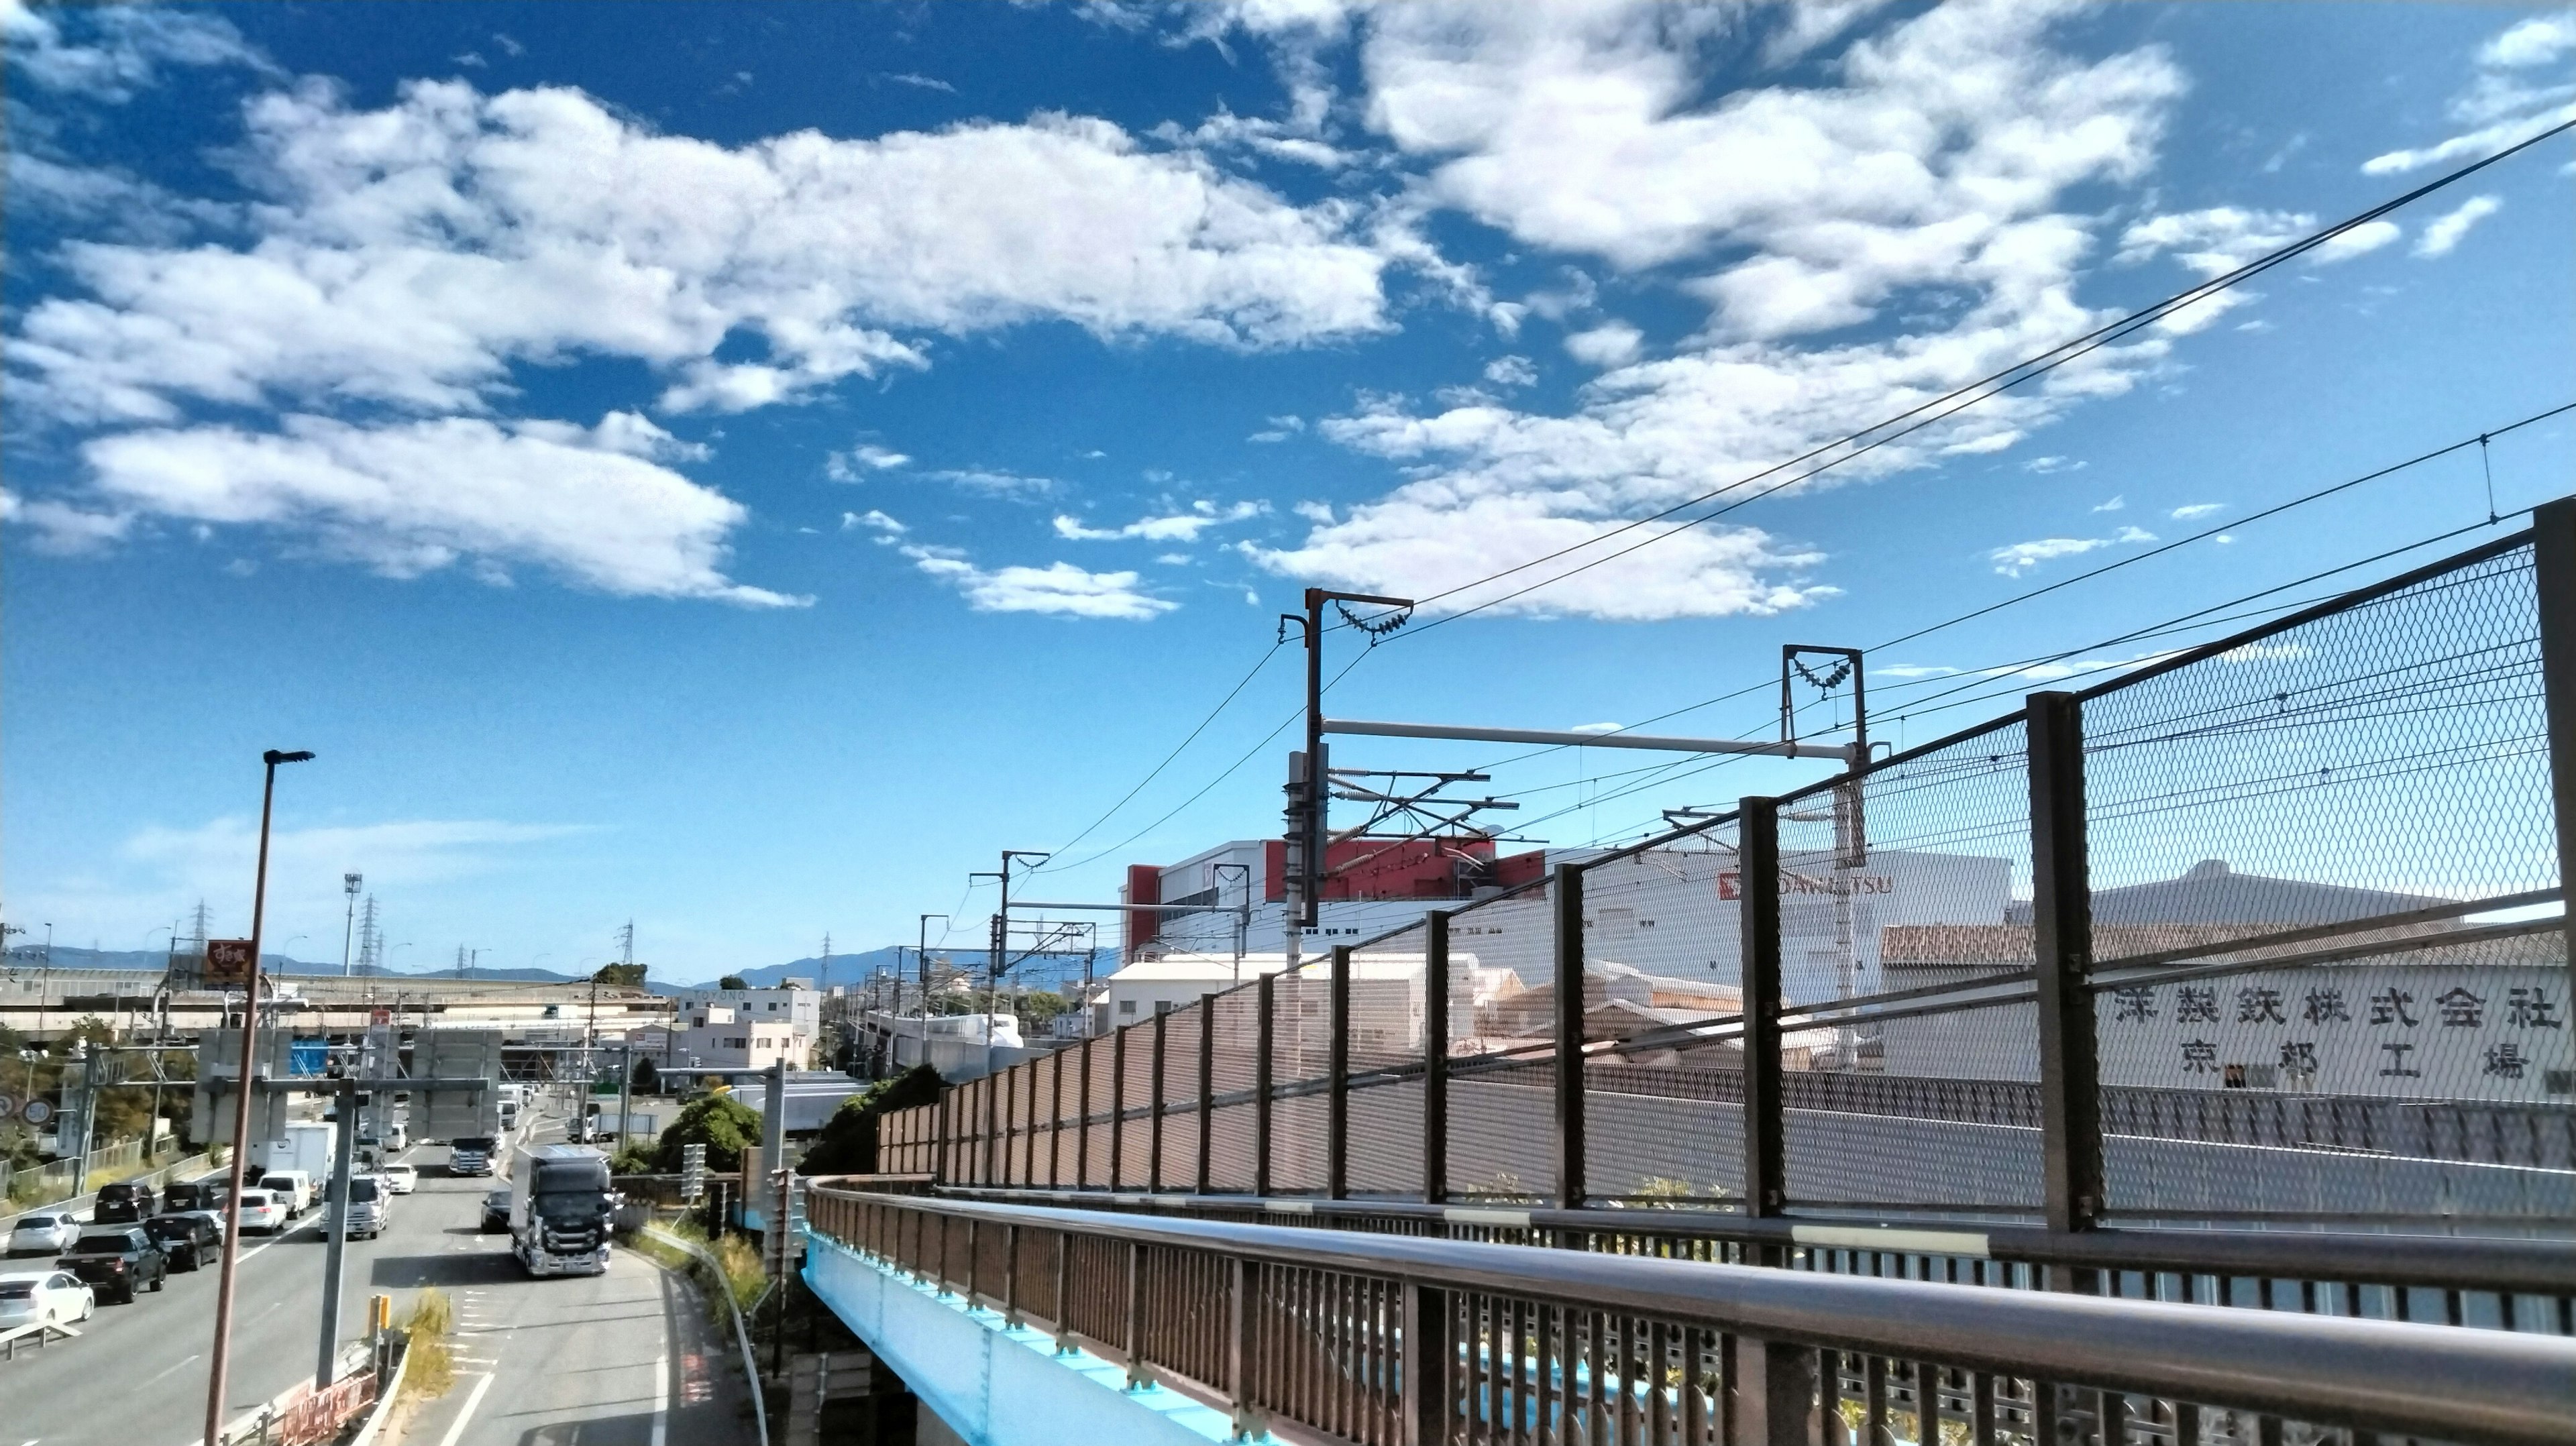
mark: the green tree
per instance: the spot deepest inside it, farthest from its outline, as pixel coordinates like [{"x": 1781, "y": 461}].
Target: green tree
[
  {"x": 630, "y": 976},
  {"x": 733, "y": 981},
  {"x": 848, "y": 1142},
  {"x": 646, "y": 1080},
  {"x": 725, "y": 1125}
]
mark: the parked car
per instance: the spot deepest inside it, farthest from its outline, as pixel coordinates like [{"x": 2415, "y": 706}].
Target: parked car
[
  {"x": 262, "y": 1211},
  {"x": 205, "y": 1194},
  {"x": 496, "y": 1210},
  {"x": 29, "y": 1296},
  {"x": 44, "y": 1232},
  {"x": 126, "y": 1202},
  {"x": 185, "y": 1238},
  {"x": 400, "y": 1178},
  {"x": 118, "y": 1262}
]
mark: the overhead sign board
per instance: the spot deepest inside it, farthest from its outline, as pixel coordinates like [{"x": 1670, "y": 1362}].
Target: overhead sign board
[{"x": 229, "y": 961}]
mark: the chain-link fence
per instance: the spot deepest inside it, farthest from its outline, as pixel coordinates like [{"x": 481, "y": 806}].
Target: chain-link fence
[{"x": 2270, "y": 929}]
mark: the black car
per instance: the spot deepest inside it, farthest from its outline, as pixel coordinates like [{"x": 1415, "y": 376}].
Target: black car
[
  {"x": 126, "y": 1200},
  {"x": 188, "y": 1241},
  {"x": 118, "y": 1262},
  {"x": 205, "y": 1194},
  {"x": 496, "y": 1210}
]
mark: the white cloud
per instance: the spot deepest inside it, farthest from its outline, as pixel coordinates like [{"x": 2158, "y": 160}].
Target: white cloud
[
  {"x": 1059, "y": 588},
  {"x": 410, "y": 256},
  {"x": 1612, "y": 344},
  {"x": 1511, "y": 371},
  {"x": 2196, "y": 510},
  {"x": 2219, "y": 239},
  {"x": 1177, "y": 527},
  {"x": 2503, "y": 104},
  {"x": 885, "y": 528},
  {"x": 2046, "y": 465},
  {"x": 1279, "y": 430},
  {"x": 1932, "y": 164},
  {"x": 2449, "y": 228},
  {"x": 2021, "y": 557},
  {"x": 996, "y": 481},
  {"x": 856, "y": 463},
  {"x": 111, "y": 52},
  {"x": 1915, "y": 670},
  {"x": 590, "y": 504},
  {"x": 917, "y": 81},
  {"x": 2367, "y": 237},
  {"x": 2114, "y": 505}
]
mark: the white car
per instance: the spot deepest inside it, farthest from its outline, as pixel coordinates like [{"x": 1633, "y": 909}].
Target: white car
[
  {"x": 400, "y": 1178},
  {"x": 261, "y": 1210},
  {"x": 44, "y": 1232},
  {"x": 29, "y": 1296}
]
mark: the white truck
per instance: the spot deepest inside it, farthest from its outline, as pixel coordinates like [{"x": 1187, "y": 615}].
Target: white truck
[
  {"x": 305, "y": 1146},
  {"x": 560, "y": 1203}
]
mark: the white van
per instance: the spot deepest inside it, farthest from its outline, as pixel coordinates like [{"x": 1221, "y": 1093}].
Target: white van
[{"x": 294, "y": 1189}]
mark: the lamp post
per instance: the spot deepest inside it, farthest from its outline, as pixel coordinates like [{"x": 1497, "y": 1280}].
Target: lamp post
[
  {"x": 241, "y": 1109},
  {"x": 349, "y": 926}
]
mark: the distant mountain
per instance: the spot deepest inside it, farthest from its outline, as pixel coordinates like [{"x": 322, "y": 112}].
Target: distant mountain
[
  {"x": 1040, "y": 971},
  {"x": 853, "y": 969}
]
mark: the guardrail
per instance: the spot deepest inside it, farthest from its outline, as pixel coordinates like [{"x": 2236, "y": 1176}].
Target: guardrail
[
  {"x": 2527, "y": 1285},
  {"x": 1384, "y": 1339},
  {"x": 41, "y": 1332},
  {"x": 741, "y": 1333}
]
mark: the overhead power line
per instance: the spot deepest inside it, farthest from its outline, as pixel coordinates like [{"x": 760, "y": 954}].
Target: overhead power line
[{"x": 1177, "y": 749}]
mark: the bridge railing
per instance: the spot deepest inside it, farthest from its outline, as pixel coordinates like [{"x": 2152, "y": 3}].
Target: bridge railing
[
  {"x": 1392, "y": 1341},
  {"x": 2264, "y": 932}
]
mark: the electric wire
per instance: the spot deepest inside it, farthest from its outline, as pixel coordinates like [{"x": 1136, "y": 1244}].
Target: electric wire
[{"x": 1177, "y": 749}]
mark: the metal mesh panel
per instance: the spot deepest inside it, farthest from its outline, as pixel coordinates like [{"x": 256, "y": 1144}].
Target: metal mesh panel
[
  {"x": 1182, "y": 1030},
  {"x": 1907, "y": 884},
  {"x": 1230, "y": 1150},
  {"x": 1661, "y": 956},
  {"x": 1238, "y": 1033},
  {"x": 1386, "y": 1053},
  {"x": 1092, "y": 1138},
  {"x": 2314, "y": 859},
  {"x": 1297, "y": 1144},
  {"x": 1502, "y": 1120}
]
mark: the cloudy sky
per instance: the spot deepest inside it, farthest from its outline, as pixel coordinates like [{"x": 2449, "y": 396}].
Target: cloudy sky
[{"x": 738, "y": 468}]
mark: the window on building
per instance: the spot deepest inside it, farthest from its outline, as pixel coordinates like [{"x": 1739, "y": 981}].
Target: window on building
[
  {"x": 1162, "y": 1006},
  {"x": 1126, "y": 1006}
]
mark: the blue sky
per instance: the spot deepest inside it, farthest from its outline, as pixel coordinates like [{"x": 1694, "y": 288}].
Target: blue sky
[{"x": 740, "y": 467}]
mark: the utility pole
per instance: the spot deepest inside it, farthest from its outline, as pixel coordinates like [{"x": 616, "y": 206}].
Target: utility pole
[
  {"x": 921, "y": 956},
  {"x": 1308, "y": 773},
  {"x": 222, "y": 1354},
  {"x": 349, "y": 925}
]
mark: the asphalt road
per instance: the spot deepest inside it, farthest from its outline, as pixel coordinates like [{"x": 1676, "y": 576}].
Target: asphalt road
[{"x": 595, "y": 1360}]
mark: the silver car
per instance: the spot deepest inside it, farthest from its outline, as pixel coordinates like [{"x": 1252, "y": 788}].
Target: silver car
[{"x": 44, "y": 1232}]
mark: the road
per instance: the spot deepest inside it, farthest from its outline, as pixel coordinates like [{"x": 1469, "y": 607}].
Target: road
[{"x": 599, "y": 1360}]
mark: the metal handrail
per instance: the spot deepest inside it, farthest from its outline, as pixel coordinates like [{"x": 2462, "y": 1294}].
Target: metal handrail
[
  {"x": 2522, "y": 1267},
  {"x": 742, "y": 1336},
  {"x": 2378, "y": 1376}
]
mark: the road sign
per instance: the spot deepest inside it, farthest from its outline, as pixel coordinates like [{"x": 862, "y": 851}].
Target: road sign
[
  {"x": 693, "y": 1172},
  {"x": 38, "y": 1112},
  {"x": 228, "y": 961},
  {"x": 8, "y": 1106}
]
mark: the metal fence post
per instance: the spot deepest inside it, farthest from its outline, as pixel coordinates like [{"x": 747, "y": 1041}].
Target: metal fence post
[
  {"x": 2061, "y": 906},
  {"x": 1055, "y": 1130},
  {"x": 1775, "y": 1395},
  {"x": 1435, "y": 1057},
  {"x": 1154, "y": 1133},
  {"x": 1266, "y": 1027},
  {"x": 2553, "y": 559},
  {"x": 1569, "y": 1037},
  {"x": 1117, "y": 1104},
  {"x": 1082, "y": 1127},
  {"x": 1766, "y": 1173},
  {"x": 1207, "y": 1090},
  {"x": 1337, "y": 1085},
  {"x": 1136, "y": 1378},
  {"x": 1427, "y": 1357},
  {"x": 945, "y": 1170},
  {"x": 1239, "y": 1279}
]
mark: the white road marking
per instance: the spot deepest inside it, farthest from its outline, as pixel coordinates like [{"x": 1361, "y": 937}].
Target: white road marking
[
  {"x": 661, "y": 1399},
  {"x": 164, "y": 1371},
  {"x": 456, "y": 1429}
]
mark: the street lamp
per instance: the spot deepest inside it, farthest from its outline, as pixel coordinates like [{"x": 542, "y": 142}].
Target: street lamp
[
  {"x": 348, "y": 926},
  {"x": 241, "y": 1106}
]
